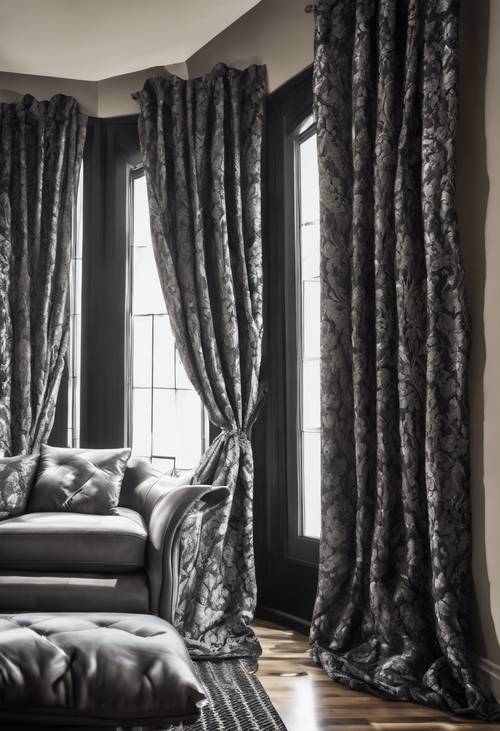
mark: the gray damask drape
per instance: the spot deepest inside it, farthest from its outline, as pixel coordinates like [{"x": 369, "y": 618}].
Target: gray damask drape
[
  {"x": 394, "y": 580},
  {"x": 201, "y": 143},
  {"x": 41, "y": 152}
]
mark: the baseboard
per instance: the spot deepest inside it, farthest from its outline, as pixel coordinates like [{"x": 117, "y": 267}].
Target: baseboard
[
  {"x": 489, "y": 673},
  {"x": 284, "y": 619}
]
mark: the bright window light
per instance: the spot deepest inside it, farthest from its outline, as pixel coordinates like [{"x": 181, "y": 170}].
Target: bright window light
[
  {"x": 309, "y": 427},
  {"x": 167, "y": 421}
]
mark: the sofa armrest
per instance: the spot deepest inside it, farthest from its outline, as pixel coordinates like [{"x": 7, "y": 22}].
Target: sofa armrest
[
  {"x": 144, "y": 485},
  {"x": 165, "y": 528}
]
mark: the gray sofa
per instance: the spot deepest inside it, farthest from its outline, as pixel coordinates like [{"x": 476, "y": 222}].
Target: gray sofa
[{"x": 74, "y": 562}]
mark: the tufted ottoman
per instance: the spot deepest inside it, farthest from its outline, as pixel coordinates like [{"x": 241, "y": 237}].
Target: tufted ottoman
[{"x": 95, "y": 670}]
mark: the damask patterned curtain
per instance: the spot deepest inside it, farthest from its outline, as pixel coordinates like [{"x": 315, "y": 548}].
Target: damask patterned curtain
[
  {"x": 394, "y": 579},
  {"x": 202, "y": 142},
  {"x": 41, "y": 152}
]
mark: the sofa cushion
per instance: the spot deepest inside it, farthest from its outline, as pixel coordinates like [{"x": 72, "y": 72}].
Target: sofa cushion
[
  {"x": 62, "y": 541},
  {"x": 17, "y": 475},
  {"x": 78, "y": 480},
  {"x": 95, "y": 669}
]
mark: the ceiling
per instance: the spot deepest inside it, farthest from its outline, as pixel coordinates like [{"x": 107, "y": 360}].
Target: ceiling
[{"x": 92, "y": 40}]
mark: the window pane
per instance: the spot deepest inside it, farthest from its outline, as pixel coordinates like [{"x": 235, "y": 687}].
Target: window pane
[
  {"x": 309, "y": 239},
  {"x": 146, "y": 290},
  {"x": 76, "y": 348},
  {"x": 311, "y": 418},
  {"x": 181, "y": 379},
  {"x": 189, "y": 427},
  {"x": 143, "y": 343},
  {"x": 164, "y": 422},
  {"x": 308, "y": 251},
  {"x": 309, "y": 181},
  {"x": 311, "y": 319},
  {"x": 77, "y": 294},
  {"x": 142, "y": 229},
  {"x": 141, "y": 420},
  {"x": 164, "y": 353},
  {"x": 75, "y": 328},
  {"x": 166, "y": 418},
  {"x": 311, "y": 480}
]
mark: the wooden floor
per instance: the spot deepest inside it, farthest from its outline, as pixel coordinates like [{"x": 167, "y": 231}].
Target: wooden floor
[{"x": 310, "y": 701}]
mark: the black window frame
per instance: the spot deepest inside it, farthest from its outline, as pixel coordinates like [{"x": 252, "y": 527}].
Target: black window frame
[
  {"x": 112, "y": 149},
  {"x": 287, "y": 562},
  {"x": 299, "y": 546}
]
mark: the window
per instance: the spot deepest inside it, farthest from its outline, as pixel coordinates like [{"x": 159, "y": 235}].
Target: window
[
  {"x": 166, "y": 420},
  {"x": 288, "y": 464},
  {"x": 75, "y": 330},
  {"x": 308, "y": 326}
]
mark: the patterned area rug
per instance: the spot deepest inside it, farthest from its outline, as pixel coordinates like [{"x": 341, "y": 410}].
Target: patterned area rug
[{"x": 237, "y": 700}]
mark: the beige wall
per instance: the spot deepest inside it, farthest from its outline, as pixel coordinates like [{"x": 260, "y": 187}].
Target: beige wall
[
  {"x": 107, "y": 98},
  {"x": 115, "y": 94},
  {"x": 14, "y": 86},
  {"x": 478, "y": 199},
  {"x": 275, "y": 32}
]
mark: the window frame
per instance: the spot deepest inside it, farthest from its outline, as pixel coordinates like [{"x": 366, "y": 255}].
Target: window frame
[
  {"x": 111, "y": 150},
  {"x": 74, "y": 356},
  {"x": 286, "y": 562},
  {"x": 299, "y": 546},
  {"x": 133, "y": 172}
]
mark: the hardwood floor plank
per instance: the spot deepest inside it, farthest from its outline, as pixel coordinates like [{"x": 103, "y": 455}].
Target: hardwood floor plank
[{"x": 308, "y": 700}]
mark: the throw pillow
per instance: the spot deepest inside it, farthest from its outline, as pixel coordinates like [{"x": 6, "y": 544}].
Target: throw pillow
[
  {"x": 17, "y": 475},
  {"x": 78, "y": 480}
]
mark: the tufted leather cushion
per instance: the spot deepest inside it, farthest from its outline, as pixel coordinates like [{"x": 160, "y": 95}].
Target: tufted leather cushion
[
  {"x": 62, "y": 541},
  {"x": 102, "y": 669},
  {"x": 78, "y": 480},
  {"x": 17, "y": 475}
]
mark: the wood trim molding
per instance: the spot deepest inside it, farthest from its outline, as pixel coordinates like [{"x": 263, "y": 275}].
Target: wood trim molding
[
  {"x": 290, "y": 621},
  {"x": 489, "y": 672}
]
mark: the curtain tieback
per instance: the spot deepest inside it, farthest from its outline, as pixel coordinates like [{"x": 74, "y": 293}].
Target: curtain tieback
[{"x": 237, "y": 433}]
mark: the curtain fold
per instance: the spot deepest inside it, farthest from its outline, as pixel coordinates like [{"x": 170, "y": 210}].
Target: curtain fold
[
  {"x": 394, "y": 577},
  {"x": 201, "y": 142},
  {"x": 41, "y": 153}
]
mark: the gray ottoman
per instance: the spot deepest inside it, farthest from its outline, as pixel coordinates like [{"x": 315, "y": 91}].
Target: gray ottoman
[{"x": 95, "y": 670}]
